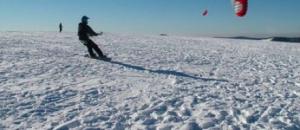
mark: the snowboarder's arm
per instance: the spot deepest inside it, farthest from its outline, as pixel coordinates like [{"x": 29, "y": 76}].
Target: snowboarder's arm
[{"x": 91, "y": 31}]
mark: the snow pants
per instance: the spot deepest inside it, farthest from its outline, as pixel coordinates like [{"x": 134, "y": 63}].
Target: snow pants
[{"x": 92, "y": 46}]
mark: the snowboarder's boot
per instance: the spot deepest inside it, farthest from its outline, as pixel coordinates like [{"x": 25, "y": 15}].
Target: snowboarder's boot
[{"x": 104, "y": 57}]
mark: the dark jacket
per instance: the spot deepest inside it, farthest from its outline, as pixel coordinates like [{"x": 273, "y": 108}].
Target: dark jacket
[{"x": 84, "y": 31}]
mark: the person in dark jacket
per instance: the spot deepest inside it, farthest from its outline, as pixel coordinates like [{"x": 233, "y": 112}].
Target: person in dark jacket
[
  {"x": 84, "y": 32},
  {"x": 60, "y": 27}
]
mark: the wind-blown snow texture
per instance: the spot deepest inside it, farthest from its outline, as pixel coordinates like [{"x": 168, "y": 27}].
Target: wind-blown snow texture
[{"x": 152, "y": 83}]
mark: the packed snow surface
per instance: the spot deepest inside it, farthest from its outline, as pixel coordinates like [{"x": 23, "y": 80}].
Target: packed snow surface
[{"x": 153, "y": 82}]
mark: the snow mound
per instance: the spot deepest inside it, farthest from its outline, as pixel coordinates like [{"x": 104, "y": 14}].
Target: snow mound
[{"x": 153, "y": 82}]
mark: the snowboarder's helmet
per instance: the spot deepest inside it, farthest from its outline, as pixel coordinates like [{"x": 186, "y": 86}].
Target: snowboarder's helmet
[{"x": 84, "y": 18}]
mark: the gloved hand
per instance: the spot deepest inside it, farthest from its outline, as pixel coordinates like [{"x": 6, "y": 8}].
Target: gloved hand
[{"x": 101, "y": 33}]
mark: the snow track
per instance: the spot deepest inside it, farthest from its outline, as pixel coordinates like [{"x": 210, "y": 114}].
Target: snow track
[{"x": 152, "y": 82}]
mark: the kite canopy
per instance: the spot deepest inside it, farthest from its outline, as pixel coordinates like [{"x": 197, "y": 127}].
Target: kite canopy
[
  {"x": 205, "y": 13},
  {"x": 240, "y": 7}
]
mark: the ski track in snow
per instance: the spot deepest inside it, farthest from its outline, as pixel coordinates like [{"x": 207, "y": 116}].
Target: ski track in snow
[{"x": 152, "y": 83}]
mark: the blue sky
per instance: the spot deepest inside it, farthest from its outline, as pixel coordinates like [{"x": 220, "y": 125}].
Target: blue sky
[{"x": 176, "y": 17}]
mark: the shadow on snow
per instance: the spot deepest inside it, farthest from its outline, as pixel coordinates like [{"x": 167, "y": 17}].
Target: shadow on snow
[{"x": 166, "y": 72}]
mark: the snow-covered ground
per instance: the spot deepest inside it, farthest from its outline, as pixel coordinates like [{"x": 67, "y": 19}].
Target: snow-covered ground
[{"x": 153, "y": 82}]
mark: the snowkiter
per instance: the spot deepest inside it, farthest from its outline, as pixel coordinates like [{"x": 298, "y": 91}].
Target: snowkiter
[{"x": 84, "y": 32}]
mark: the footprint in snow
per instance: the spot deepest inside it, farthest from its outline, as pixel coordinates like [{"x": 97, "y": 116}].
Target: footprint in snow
[{"x": 92, "y": 97}]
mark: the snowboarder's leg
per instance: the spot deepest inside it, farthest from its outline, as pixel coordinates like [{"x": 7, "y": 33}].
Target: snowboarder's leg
[
  {"x": 96, "y": 48},
  {"x": 90, "y": 49}
]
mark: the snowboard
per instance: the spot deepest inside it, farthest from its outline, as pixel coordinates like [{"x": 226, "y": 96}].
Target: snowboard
[{"x": 98, "y": 58}]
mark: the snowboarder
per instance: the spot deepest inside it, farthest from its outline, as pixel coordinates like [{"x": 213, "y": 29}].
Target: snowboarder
[
  {"x": 60, "y": 27},
  {"x": 84, "y": 31}
]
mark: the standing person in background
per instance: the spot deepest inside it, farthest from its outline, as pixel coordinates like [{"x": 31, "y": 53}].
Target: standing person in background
[{"x": 60, "y": 27}]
